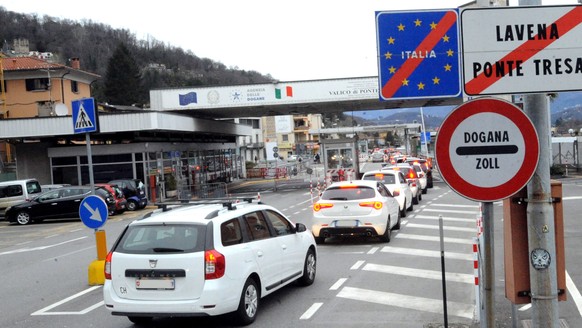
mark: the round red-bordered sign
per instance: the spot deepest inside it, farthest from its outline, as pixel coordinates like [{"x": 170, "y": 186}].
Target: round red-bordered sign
[{"x": 487, "y": 149}]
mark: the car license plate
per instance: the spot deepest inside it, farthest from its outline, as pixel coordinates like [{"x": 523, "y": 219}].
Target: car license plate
[
  {"x": 156, "y": 284},
  {"x": 346, "y": 223}
]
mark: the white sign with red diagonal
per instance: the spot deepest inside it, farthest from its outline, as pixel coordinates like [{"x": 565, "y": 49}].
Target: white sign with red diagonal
[
  {"x": 509, "y": 50},
  {"x": 487, "y": 149}
]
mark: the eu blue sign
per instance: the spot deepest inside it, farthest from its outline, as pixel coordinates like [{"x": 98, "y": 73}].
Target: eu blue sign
[
  {"x": 93, "y": 211},
  {"x": 418, "y": 54},
  {"x": 84, "y": 115}
]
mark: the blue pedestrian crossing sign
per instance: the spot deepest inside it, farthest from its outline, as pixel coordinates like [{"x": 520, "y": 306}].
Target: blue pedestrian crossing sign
[
  {"x": 84, "y": 115},
  {"x": 418, "y": 54}
]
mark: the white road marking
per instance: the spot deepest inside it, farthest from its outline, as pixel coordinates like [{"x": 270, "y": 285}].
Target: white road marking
[
  {"x": 435, "y": 238},
  {"x": 311, "y": 311},
  {"x": 357, "y": 265},
  {"x": 525, "y": 307},
  {"x": 428, "y": 209},
  {"x": 574, "y": 292},
  {"x": 40, "y": 248},
  {"x": 67, "y": 254},
  {"x": 45, "y": 310},
  {"x": 373, "y": 250},
  {"x": 435, "y": 227},
  {"x": 408, "y": 302},
  {"x": 420, "y": 273},
  {"x": 338, "y": 284},
  {"x": 456, "y": 205},
  {"x": 572, "y": 198},
  {"x": 446, "y": 219},
  {"x": 427, "y": 253}
]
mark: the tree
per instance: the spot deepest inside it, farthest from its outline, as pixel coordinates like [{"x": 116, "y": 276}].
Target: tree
[{"x": 123, "y": 79}]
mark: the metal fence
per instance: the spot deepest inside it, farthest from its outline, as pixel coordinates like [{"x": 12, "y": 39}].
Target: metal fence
[{"x": 202, "y": 191}]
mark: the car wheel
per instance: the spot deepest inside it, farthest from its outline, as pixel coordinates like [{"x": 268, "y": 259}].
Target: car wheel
[
  {"x": 397, "y": 225},
  {"x": 386, "y": 236},
  {"x": 429, "y": 183},
  {"x": 131, "y": 205},
  {"x": 319, "y": 240},
  {"x": 140, "y": 320},
  {"x": 309, "y": 269},
  {"x": 249, "y": 303},
  {"x": 416, "y": 199},
  {"x": 23, "y": 218},
  {"x": 411, "y": 207},
  {"x": 403, "y": 210},
  {"x": 420, "y": 196},
  {"x": 425, "y": 190},
  {"x": 112, "y": 212}
]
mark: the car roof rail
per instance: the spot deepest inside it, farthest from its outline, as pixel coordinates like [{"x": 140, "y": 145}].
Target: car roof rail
[{"x": 228, "y": 202}]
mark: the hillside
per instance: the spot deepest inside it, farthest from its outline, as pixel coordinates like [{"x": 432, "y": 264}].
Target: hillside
[
  {"x": 566, "y": 108},
  {"x": 161, "y": 65}
]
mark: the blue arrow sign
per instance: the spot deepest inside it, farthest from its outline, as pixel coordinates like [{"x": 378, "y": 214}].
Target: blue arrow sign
[
  {"x": 93, "y": 211},
  {"x": 418, "y": 54},
  {"x": 84, "y": 116}
]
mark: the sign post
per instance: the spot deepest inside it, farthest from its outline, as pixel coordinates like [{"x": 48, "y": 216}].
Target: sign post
[
  {"x": 487, "y": 149},
  {"x": 92, "y": 207}
]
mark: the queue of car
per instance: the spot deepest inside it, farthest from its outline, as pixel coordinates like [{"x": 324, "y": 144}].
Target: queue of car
[{"x": 374, "y": 205}]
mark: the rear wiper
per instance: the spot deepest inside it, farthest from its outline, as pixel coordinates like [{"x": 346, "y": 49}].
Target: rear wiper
[
  {"x": 167, "y": 250},
  {"x": 338, "y": 198}
]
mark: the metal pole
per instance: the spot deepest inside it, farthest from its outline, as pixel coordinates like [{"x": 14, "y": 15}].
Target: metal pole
[
  {"x": 488, "y": 319},
  {"x": 540, "y": 222},
  {"x": 442, "y": 238},
  {"x": 424, "y": 149},
  {"x": 90, "y": 162},
  {"x": 540, "y": 218}
]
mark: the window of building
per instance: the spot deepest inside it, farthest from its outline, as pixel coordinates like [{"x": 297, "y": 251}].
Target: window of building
[
  {"x": 285, "y": 137},
  {"x": 74, "y": 86},
  {"x": 37, "y": 84}
]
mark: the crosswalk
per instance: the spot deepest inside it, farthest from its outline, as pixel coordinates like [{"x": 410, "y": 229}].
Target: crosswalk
[{"x": 414, "y": 260}]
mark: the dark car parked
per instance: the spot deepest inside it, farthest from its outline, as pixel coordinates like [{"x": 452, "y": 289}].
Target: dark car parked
[
  {"x": 134, "y": 191},
  {"x": 55, "y": 204}
]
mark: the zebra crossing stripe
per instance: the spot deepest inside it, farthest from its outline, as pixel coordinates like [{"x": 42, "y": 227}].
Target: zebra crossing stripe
[
  {"x": 449, "y": 219},
  {"x": 407, "y": 302},
  {"x": 426, "y": 253},
  {"x": 420, "y": 273},
  {"x": 434, "y": 227},
  {"x": 435, "y": 239}
]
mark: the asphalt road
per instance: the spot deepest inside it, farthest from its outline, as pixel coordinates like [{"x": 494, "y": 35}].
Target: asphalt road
[{"x": 359, "y": 283}]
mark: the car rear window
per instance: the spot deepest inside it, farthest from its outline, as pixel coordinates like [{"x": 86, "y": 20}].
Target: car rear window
[
  {"x": 166, "y": 238},
  {"x": 11, "y": 191},
  {"x": 352, "y": 193},
  {"x": 385, "y": 178}
]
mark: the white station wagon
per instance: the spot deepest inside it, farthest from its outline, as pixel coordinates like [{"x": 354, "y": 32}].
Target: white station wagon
[{"x": 206, "y": 260}]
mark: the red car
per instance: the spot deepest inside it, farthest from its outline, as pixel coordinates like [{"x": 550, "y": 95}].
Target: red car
[{"x": 120, "y": 201}]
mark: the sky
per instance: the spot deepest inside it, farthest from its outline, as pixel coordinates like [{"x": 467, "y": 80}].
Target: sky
[{"x": 290, "y": 40}]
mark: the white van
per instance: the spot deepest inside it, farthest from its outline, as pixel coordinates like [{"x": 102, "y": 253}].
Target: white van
[{"x": 17, "y": 191}]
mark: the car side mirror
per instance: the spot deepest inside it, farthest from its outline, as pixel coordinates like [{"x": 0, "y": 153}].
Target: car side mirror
[
  {"x": 396, "y": 193},
  {"x": 300, "y": 227}
]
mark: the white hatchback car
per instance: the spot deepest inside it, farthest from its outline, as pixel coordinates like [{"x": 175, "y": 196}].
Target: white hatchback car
[
  {"x": 397, "y": 184},
  {"x": 355, "y": 208},
  {"x": 206, "y": 260}
]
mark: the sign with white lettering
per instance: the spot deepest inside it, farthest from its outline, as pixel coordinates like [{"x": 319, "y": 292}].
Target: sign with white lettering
[
  {"x": 487, "y": 149},
  {"x": 418, "y": 54},
  {"x": 508, "y": 50}
]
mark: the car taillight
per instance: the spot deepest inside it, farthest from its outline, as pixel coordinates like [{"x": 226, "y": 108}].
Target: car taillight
[
  {"x": 107, "y": 268},
  {"x": 375, "y": 205},
  {"x": 319, "y": 206},
  {"x": 214, "y": 264}
]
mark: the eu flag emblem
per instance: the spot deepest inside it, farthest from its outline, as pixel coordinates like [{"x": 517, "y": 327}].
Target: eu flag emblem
[
  {"x": 418, "y": 54},
  {"x": 189, "y": 98}
]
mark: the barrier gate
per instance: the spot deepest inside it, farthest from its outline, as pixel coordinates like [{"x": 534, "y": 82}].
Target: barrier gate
[{"x": 340, "y": 159}]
